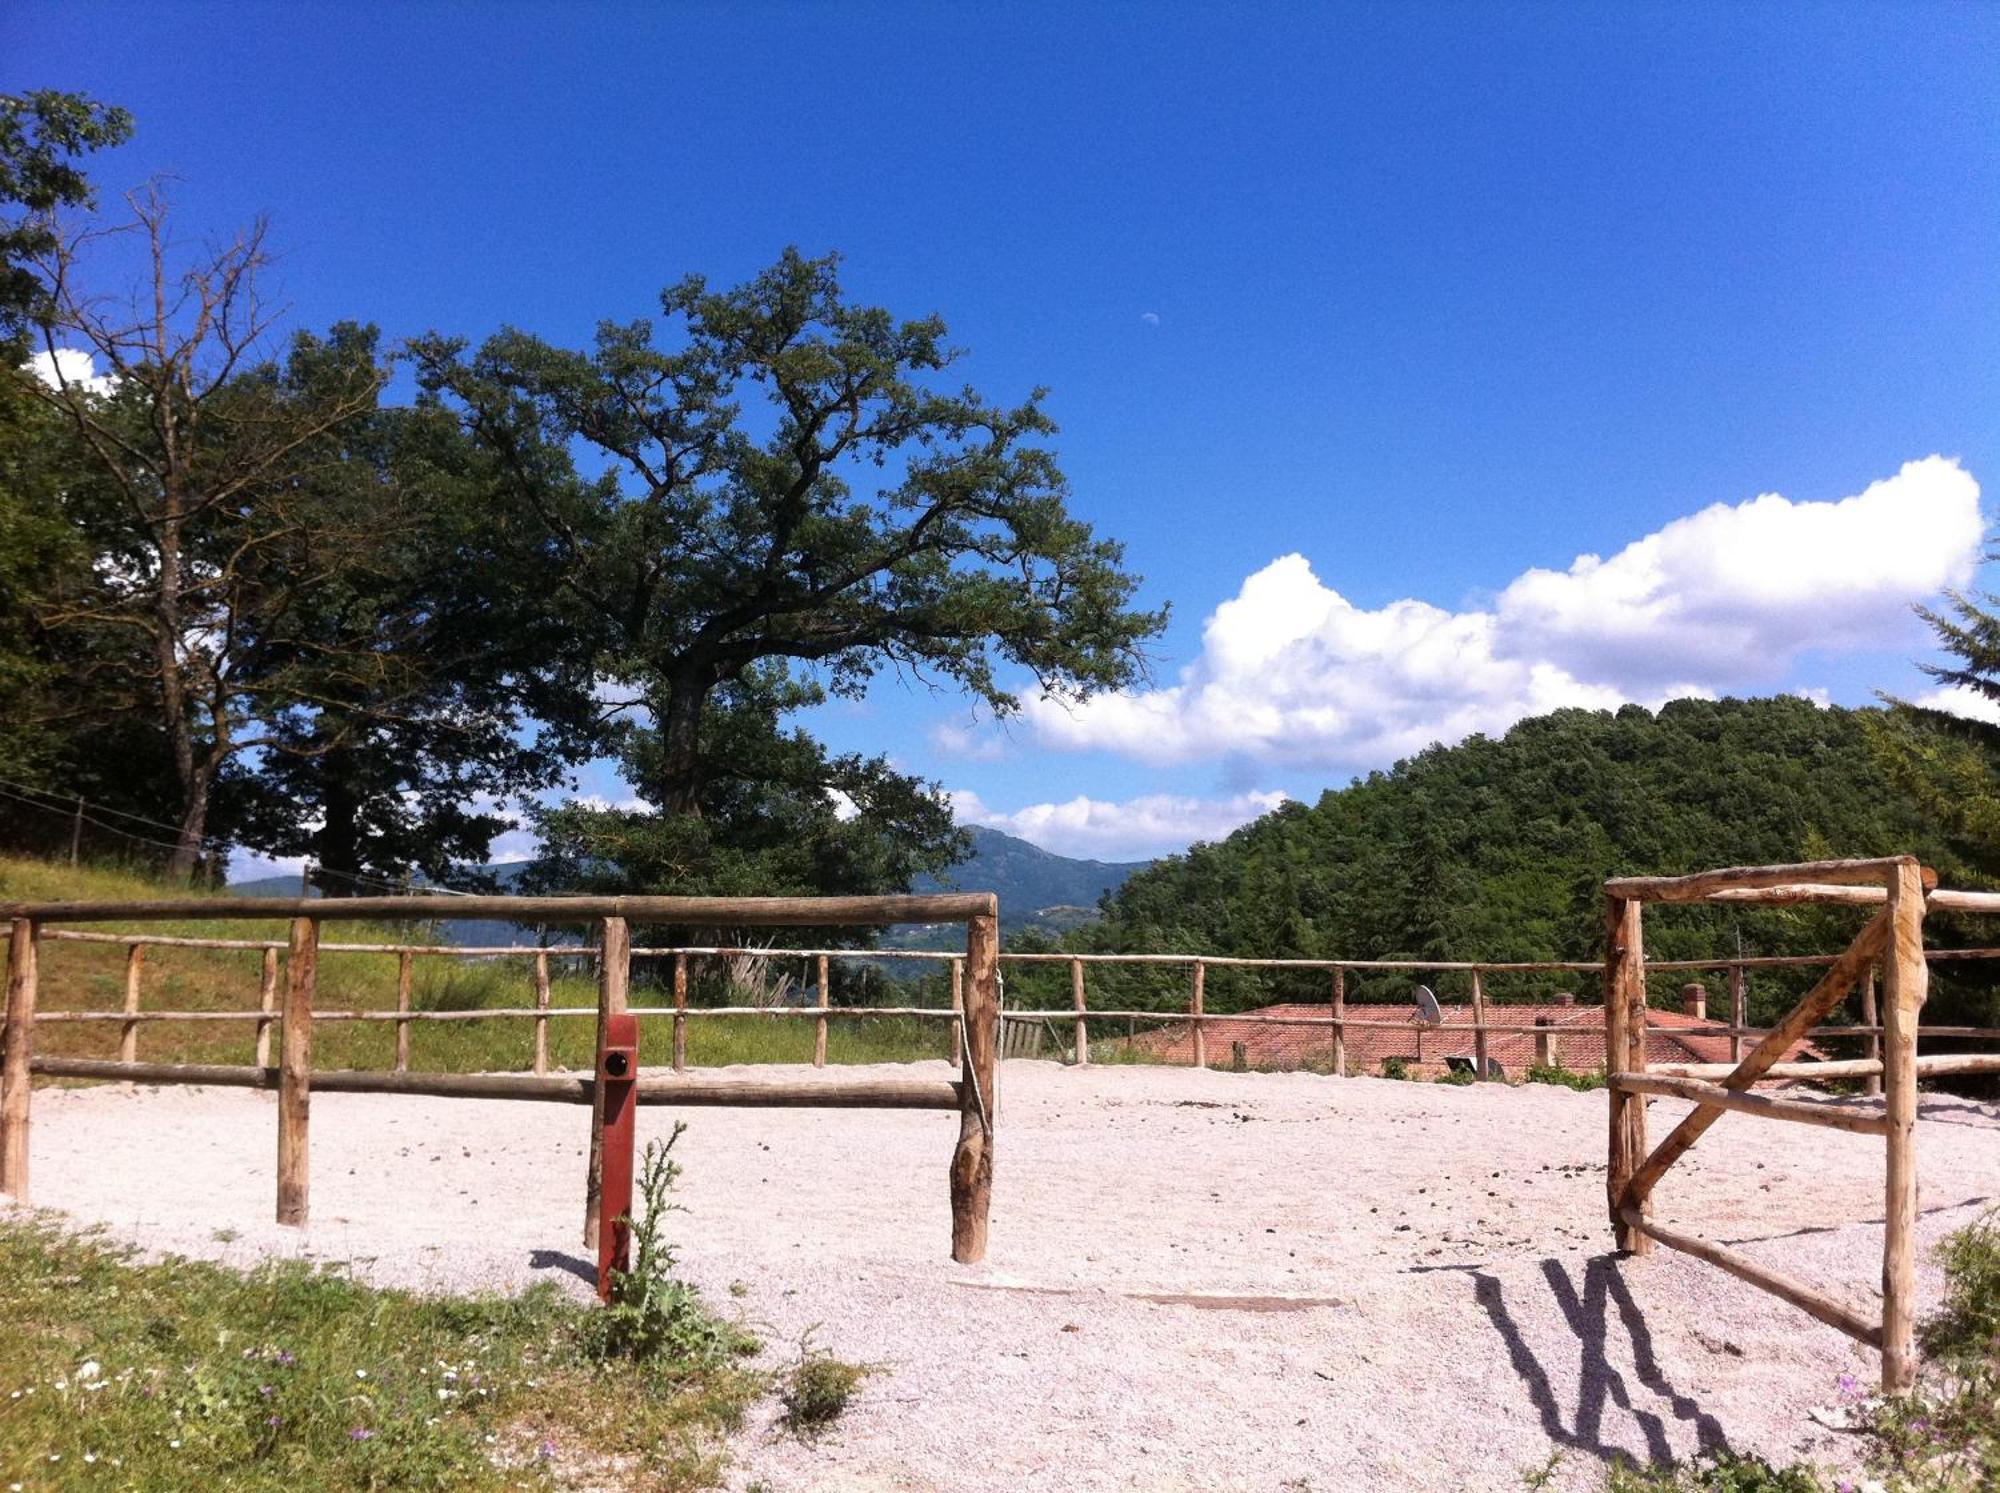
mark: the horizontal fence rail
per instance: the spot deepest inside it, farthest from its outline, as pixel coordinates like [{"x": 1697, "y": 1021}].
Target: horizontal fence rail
[{"x": 1195, "y": 1017}]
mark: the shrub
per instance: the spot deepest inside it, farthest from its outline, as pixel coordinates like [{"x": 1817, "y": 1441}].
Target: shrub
[
  {"x": 1946, "y": 1436},
  {"x": 1395, "y": 1067},
  {"x": 1457, "y": 1077},
  {"x": 818, "y": 1390},
  {"x": 1567, "y": 1078},
  {"x": 1724, "y": 1473},
  {"x": 653, "y": 1318}
]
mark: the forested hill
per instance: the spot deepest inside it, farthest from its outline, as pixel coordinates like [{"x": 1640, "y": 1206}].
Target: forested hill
[{"x": 1496, "y": 848}]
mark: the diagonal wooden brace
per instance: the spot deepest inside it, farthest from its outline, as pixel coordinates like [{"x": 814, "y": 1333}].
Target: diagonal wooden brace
[{"x": 1808, "y": 1013}]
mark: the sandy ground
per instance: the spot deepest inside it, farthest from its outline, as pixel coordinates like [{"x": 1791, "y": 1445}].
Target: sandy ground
[{"x": 1196, "y": 1280}]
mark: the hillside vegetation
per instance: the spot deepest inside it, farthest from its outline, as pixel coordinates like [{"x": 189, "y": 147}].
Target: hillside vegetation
[{"x": 1497, "y": 848}]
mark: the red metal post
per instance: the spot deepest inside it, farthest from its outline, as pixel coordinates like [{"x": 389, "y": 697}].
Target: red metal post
[{"x": 617, "y": 1071}]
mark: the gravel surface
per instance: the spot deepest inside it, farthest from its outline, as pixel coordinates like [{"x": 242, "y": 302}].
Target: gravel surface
[{"x": 1196, "y": 1280}]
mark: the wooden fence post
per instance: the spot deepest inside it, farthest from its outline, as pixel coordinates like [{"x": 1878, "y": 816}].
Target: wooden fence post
[
  {"x": 405, "y": 967},
  {"x": 680, "y": 1013},
  {"x": 1871, "y": 1015},
  {"x": 972, "y": 1159},
  {"x": 614, "y": 983},
  {"x": 1478, "y": 1027},
  {"x": 1077, "y": 1003},
  {"x": 1739, "y": 1011},
  {"x": 16, "y": 1081},
  {"x": 1905, "y": 985},
  {"x": 295, "y": 1074},
  {"x": 267, "y": 1004},
  {"x": 1625, "y": 1052},
  {"x": 1196, "y": 1011},
  {"x": 957, "y": 1004},
  {"x": 819, "y": 1034},
  {"x": 541, "y": 1011},
  {"x": 1339, "y": 1022},
  {"x": 128, "y": 1035}
]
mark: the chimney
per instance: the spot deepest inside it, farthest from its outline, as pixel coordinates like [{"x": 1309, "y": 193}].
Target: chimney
[
  {"x": 1694, "y": 1000},
  {"x": 1565, "y": 998}
]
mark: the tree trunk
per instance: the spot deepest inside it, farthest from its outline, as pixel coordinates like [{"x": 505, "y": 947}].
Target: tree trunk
[
  {"x": 174, "y": 705},
  {"x": 193, "y": 831},
  {"x": 337, "y": 845},
  {"x": 680, "y": 743}
]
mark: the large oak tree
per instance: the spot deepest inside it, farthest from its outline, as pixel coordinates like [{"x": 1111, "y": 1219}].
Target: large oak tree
[{"x": 771, "y": 492}]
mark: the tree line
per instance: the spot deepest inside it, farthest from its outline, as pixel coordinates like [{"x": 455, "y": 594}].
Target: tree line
[{"x": 317, "y": 593}]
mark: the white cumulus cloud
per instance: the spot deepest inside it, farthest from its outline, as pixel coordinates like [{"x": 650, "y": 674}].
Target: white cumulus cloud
[
  {"x": 1729, "y": 598},
  {"x": 69, "y": 366},
  {"x": 1138, "y": 828},
  {"x": 1956, "y": 699}
]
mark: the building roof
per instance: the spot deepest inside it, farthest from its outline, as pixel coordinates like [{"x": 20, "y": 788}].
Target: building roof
[{"x": 1576, "y": 1039}]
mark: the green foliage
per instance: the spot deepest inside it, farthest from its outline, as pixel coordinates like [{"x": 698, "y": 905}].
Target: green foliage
[
  {"x": 788, "y": 497},
  {"x": 1568, "y": 1078},
  {"x": 1398, "y": 1068},
  {"x": 1945, "y": 1437},
  {"x": 1457, "y": 1077},
  {"x": 654, "y": 1319},
  {"x": 42, "y": 133},
  {"x": 1498, "y": 848},
  {"x": 182, "y": 1377},
  {"x": 1968, "y": 1321},
  {"x": 1725, "y": 1472},
  {"x": 818, "y": 1389}
]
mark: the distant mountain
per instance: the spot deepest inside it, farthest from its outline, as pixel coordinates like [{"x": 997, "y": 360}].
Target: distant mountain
[
  {"x": 1037, "y": 889},
  {"x": 1029, "y": 879}
]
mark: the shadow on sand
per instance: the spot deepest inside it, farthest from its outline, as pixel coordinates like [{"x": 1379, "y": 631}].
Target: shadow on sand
[
  {"x": 1587, "y": 1309},
  {"x": 554, "y": 1259}
]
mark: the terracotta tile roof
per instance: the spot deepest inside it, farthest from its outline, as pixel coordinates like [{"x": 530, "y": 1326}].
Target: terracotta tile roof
[{"x": 1576, "y": 1039}]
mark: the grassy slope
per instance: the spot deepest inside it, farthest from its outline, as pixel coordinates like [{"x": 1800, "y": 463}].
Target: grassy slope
[
  {"x": 180, "y": 1375},
  {"x": 78, "y": 976}
]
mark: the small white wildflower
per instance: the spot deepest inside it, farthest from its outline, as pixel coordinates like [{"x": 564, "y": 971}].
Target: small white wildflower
[
  {"x": 89, "y": 1458},
  {"x": 175, "y": 1444},
  {"x": 361, "y": 1373},
  {"x": 444, "y": 1394},
  {"x": 89, "y": 1369},
  {"x": 62, "y": 1384}
]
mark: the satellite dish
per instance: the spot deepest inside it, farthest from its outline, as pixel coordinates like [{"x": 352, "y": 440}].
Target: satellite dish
[
  {"x": 1428, "y": 1011},
  {"x": 1494, "y": 1071}
]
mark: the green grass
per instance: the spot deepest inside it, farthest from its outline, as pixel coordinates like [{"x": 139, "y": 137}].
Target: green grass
[{"x": 179, "y": 1375}]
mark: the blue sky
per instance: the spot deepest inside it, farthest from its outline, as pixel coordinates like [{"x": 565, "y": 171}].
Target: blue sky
[{"x": 1430, "y": 298}]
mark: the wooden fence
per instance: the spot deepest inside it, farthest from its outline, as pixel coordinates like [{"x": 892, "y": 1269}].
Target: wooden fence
[
  {"x": 1028, "y": 1025},
  {"x": 294, "y": 1014},
  {"x": 1488, "y": 1017},
  {"x": 1892, "y": 939}
]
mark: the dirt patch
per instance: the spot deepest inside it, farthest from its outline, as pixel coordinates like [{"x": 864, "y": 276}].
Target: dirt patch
[{"x": 1466, "y": 1317}]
